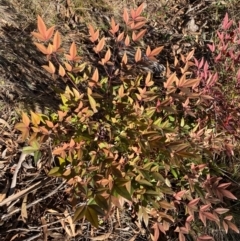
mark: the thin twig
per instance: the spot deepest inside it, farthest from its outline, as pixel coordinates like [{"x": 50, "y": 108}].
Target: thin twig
[
  {"x": 14, "y": 179},
  {"x": 34, "y": 202},
  {"x": 23, "y": 192}
]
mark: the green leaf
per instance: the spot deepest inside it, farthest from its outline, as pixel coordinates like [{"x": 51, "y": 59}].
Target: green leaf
[
  {"x": 158, "y": 176},
  {"x": 55, "y": 171},
  {"x": 173, "y": 171},
  {"x": 101, "y": 202},
  {"x": 91, "y": 216},
  {"x": 29, "y": 149},
  {"x": 120, "y": 181},
  {"x": 144, "y": 182},
  {"x": 92, "y": 103},
  {"x": 152, "y": 192},
  {"x": 98, "y": 209},
  {"x": 122, "y": 191},
  {"x": 79, "y": 213},
  {"x": 37, "y": 156},
  {"x": 150, "y": 112}
]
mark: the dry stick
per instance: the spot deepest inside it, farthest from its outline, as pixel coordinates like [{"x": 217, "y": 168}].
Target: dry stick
[
  {"x": 34, "y": 202},
  {"x": 23, "y": 192},
  {"x": 14, "y": 179}
]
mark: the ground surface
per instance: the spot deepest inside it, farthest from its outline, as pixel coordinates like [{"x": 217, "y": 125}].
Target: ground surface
[{"x": 41, "y": 214}]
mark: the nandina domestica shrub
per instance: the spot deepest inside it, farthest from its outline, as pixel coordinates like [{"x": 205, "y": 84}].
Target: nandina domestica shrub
[{"x": 121, "y": 135}]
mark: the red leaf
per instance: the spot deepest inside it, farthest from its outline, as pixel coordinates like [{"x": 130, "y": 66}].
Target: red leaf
[
  {"x": 221, "y": 210},
  {"x": 139, "y": 9},
  {"x": 227, "y": 194},
  {"x": 225, "y": 226},
  {"x": 194, "y": 202},
  {"x": 157, "y": 51},
  {"x": 125, "y": 16},
  {"x": 139, "y": 35},
  {"x": 232, "y": 226},
  {"x": 138, "y": 55},
  {"x": 50, "y": 68},
  {"x": 100, "y": 45},
  {"x": 156, "y": 232},
  {"x": 41, "y": 26},
  {"x": 56, "y": 41}
]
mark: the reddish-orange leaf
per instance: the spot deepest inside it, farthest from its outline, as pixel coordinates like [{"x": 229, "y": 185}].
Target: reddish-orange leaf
[
  {"x": 100, "y": 45},
  {"x": 205, "y": 238},
  {"x": 49, "y": 33},
  {"x": 156, "y": 232},
  {"x": 42, "y": 48},
  {"x": 24, "y": 129},
  {"x": 221, "y": 210},
  {"x": 134, "y": 36},
  {"x": 120, "y": 37},
  {"x": 180, "y": 194},
  {"x": 224, "y": 185},
  {"x": 46, "y": 34},
  {"x": 125, "y": 16},
  {"x": 68, "y": 66},
  {"x": 73, "y": 50},
  {"x": 107, "y": 56},
  {"x": 139, "y": 35},
  {"x": 44, "y": 130},
  {"x": 211, "y": 217},
  {"x": 202, "y": 218},
  {"x": 225, "y": 226},
  {"x": 190, "y": 218},
  {"x": 138, "y": 25},
  {"x": 193, "y": 202},
  {"x": 61, "y": 71},
  {"x": 184, "y": 230},
  {"x": 140, "y": 9},
  {"x": 127, "y": 40},
  {"x": 232, "y": 226},
  {"x": 133, "y": 14},
  {"x": 93, "y": 35},
  {"x": 56, "y": 41},
  {"x": 148, "y": 51},
  {"x": 72, "y": 143},
  {"x": 50, "y": 68},
  {"x": 61, "y": 115},
  {"x": 157, "y": 51},
  {"x": 115, "y": 27},
  {"x": 138, "y": 55},
  {"x": 49, "y": 124},
  {"x": 170, "y": 81},
  {"x": 181, "y": 236},
  {"x": 113, "y": 24},
  {"x": 50, "y": 49},
  {"x": 190, "y": 55},
  {"x": 38, "y": 36},
  {"x": 41, "y": 26},
  {"x": 227, "y": 194},
  {"x": 95, "y": 76},
  {"x": 205, "y": 207},
  {"x": 139, "y": 19},
  {"x": 229, "y": 217},
  {"x": 124, "y": 58},
  {"x": 25, "y": 119}
]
